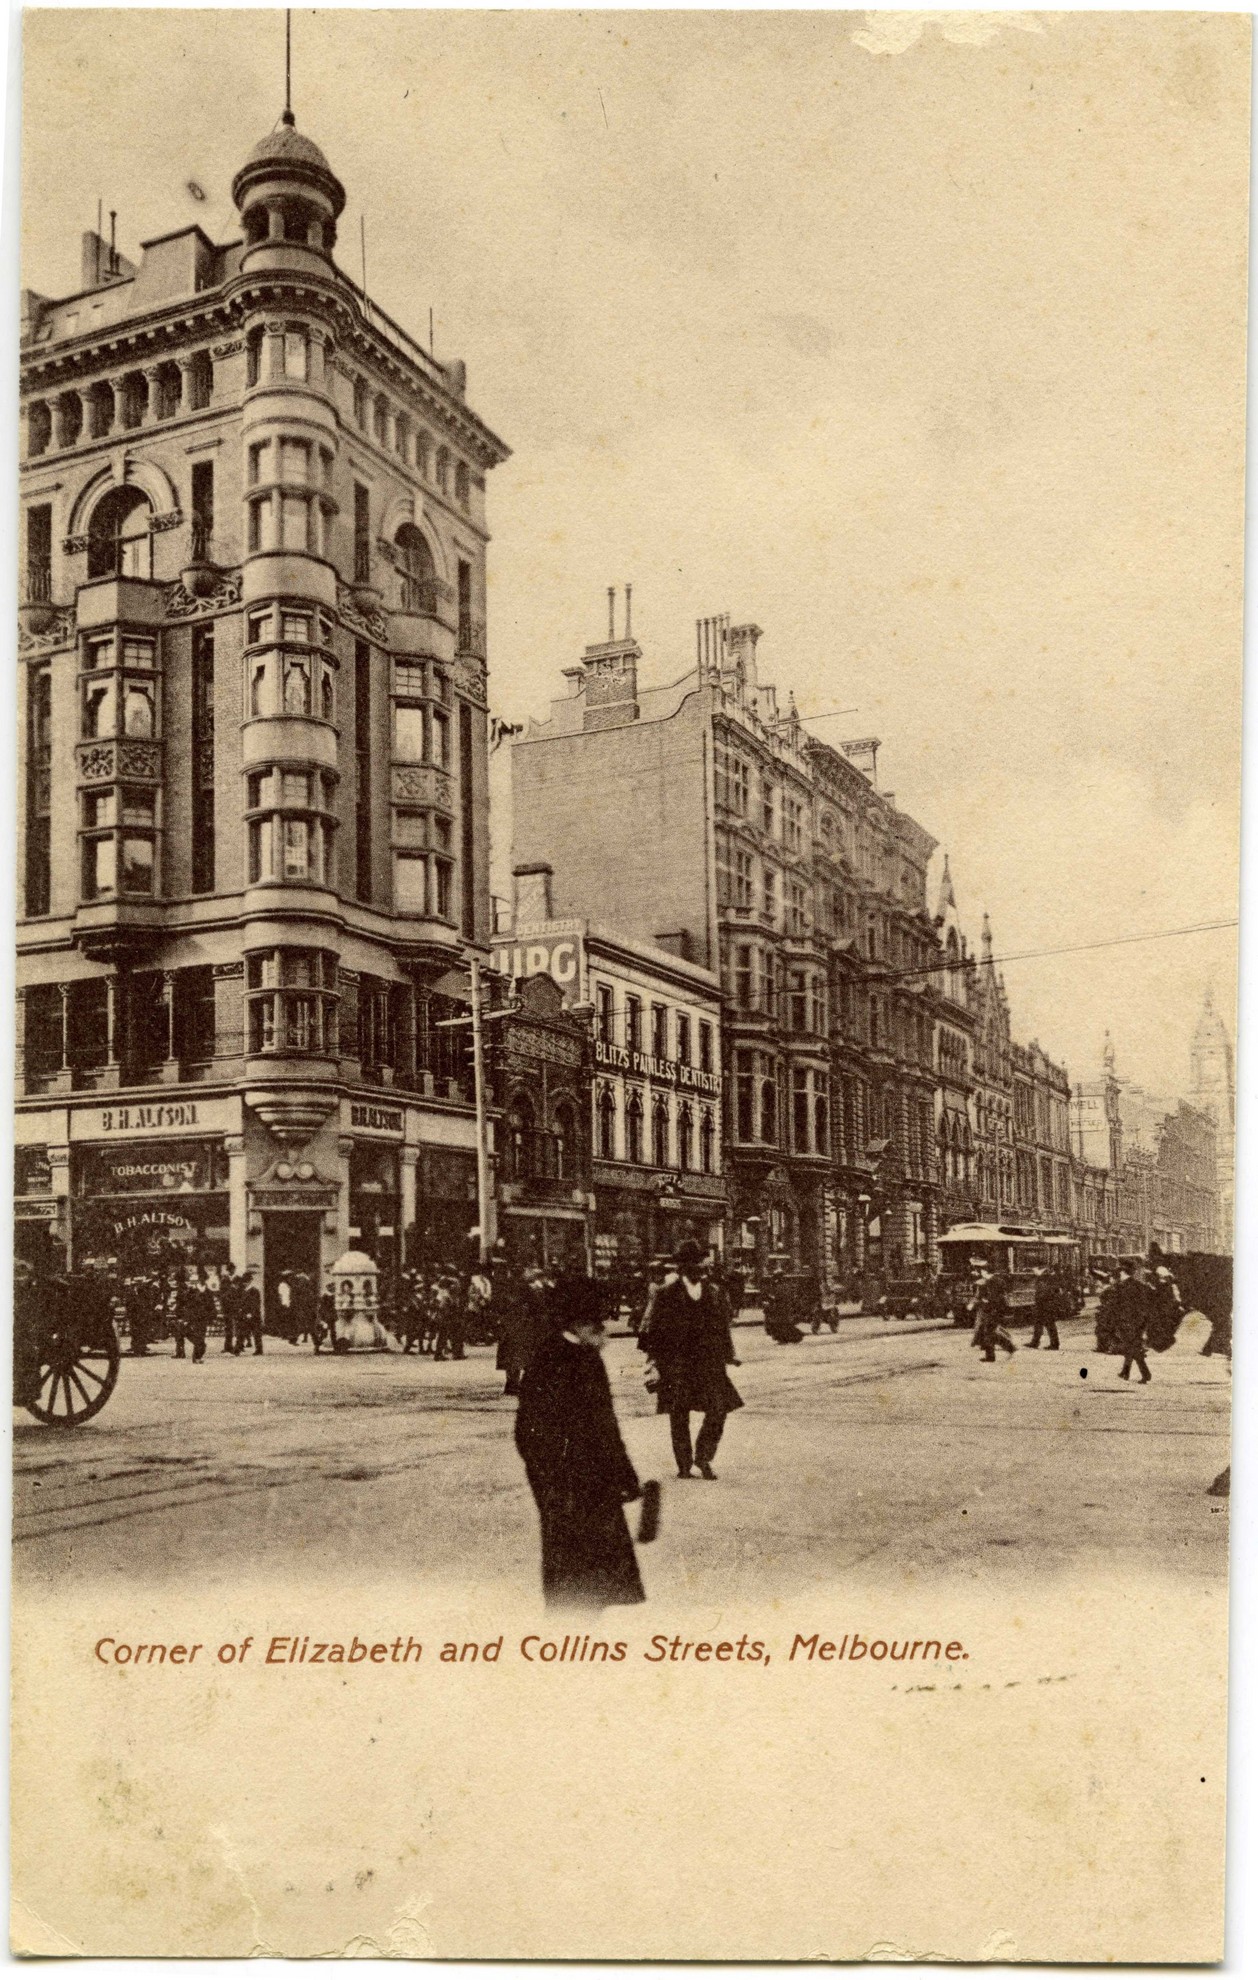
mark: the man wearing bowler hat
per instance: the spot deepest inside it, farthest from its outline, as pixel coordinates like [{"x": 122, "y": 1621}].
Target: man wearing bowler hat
[{"x": 689, "y": 1342}]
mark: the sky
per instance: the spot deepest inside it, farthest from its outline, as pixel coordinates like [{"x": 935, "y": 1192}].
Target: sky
[{"x": 918, "y": 340}]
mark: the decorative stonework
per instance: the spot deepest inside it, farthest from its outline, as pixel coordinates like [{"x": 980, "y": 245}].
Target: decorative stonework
[
  {"x": 74, "y": 546},
  {"x": 104, "y": 762},
  {"x": 370, "y": 621},
  {"x": 184, "y": 604},
  {"x": 59, "y": 631},
  {"x": 228, "y": 348},
  {"x": 422, "y": 783},
  {"x": 171, "y": 520},
  {"x": 468, "y": 676}
]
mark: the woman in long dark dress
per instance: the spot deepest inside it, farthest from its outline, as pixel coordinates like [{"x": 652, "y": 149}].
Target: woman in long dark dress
[{"x": 577, "y": 1466}]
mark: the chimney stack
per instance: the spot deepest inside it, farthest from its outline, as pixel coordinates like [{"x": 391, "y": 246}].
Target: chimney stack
[{"x": 531, "y": 894}]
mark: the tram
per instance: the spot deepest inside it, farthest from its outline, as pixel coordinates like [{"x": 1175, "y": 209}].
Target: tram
[{"x": 1014, "y": 1252}]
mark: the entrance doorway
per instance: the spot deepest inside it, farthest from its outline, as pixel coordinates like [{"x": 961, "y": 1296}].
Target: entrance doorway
[{"x": 291, "y": 1242}]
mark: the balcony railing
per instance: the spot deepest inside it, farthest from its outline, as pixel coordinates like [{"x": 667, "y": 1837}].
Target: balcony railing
[
  {"x": 202, "y": 540},
  {"x": 39, "y": 584}
]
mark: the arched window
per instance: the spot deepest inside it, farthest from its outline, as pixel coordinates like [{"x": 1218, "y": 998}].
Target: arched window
[
  {"x": 707, "y": 1132},
  {"x": 565, "y": 1141},
  {"x": 685, "y": 1137},
  {"x": 70, "y": 418},
  {"x": 423, "y": 454},
  {"x": 118, "y": 540},
  {"x": 417, "y": 571},
  {"x": 607, "y": 1125},
  {"x": 380, "y": 422},
  {"x": 633, "y": 1128},
  {"x": 769, "y": 1109},
  {"x": 443, "y": 470},
  {"x": 520, "y": 1139},
  {"x": 167, "y": 391},
  {"x": 200, "y": 381},
  {"x": 100, "y": 409},
  {"x": 462, "y": 484},
  {"x": 38, "y": 428},
  {"x": 360, "y": 403},
  {"x": 659, "y": 1133}
]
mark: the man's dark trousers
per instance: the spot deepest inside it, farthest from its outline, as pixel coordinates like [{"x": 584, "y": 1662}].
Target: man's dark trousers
[{"x": 705, "y": 1443}]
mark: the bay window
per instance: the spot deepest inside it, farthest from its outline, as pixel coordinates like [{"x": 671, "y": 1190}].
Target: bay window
[
  {"x": 291, "y": 996},
  {"x": 290, "y": 826}
]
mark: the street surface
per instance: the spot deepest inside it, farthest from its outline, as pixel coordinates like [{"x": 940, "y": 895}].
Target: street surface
[{"x": 891, "y": 1448}]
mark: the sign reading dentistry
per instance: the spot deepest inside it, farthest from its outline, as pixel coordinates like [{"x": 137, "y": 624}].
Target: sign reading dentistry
[{"x": 666, "y": 1072}]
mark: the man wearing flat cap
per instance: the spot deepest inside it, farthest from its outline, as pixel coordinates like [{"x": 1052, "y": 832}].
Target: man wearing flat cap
[{"x": 690, "y": 1343}]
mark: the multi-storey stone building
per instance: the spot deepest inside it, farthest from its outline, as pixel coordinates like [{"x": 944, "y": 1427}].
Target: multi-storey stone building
[
  {"x": 721, "y": 830},
  {"x": 957, "y": 1092},
  {"x": 1212, "y": 1089},
  {"x": 995, "y": 1195},
  {"x": 652, "y": 1110},
  {"x": 252, "y": 746},
  {"x": 1146, "y": 1170}
]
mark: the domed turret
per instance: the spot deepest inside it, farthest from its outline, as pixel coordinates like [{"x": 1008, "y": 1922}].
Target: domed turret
[{"x": 288, "y": 197}]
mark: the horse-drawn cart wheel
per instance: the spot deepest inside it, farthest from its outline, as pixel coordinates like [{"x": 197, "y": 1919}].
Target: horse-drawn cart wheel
[{"x": 76, "y": 1377}]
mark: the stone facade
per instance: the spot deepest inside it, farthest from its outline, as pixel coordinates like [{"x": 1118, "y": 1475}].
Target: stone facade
[
  {"x": 718, "y": 827},
  {"x": 652, "y": 1110},
  {"x": 252, "y": 747}
]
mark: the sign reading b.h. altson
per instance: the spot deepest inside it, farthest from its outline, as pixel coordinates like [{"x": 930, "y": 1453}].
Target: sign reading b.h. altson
[
  {"x": 375, "y": 1120},
  {"x": 164, "y": 1114},
  {"x": 671, "y": 1072},
  {"x": 217, "y": 1114}
]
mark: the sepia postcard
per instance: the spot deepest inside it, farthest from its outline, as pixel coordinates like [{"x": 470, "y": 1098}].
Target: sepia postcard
[{"x": 627, "y": 820}]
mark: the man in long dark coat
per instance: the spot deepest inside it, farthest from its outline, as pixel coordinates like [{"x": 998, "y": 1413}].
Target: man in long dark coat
[
  {"x": 689, "y": 1341},
  {"x": 1132, "y": 1309},
  {"x": 993, "y": 1316},
  {"x": 577, "y": 1466},
  {"x": 1050, "y": 1307}
]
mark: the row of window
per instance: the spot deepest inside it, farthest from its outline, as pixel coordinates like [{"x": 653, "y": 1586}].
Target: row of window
[
  {"x": 125, "y": 402},
  {"x": 673, "y": 1034},
  {"x": 781, "y": 900},
  {"x": 777, "y": 813},
  {"x": 394, "y": 431},
  {"x": 296, "y": 1003},
  {"x": 683, "y": 1138}
]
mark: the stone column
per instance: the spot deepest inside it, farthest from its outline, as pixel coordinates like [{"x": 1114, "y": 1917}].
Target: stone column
[
  {"x": 273, "y": 347},
  {"x": 63, "y": 1078},
  {"x": 111, "y": 1074},
  {"x": 19, "y": 1041},
  {"x": 930, "y": 1232},
  {"x": 59, "y": 1168},
  {"x": 169, "y": 1074},
  {"x": 152, "y": 378},
  {"x": 237, "y": 1202},
  {"x": 118, "y": 386},
  {"x": 229, "y": 1041},
  {"x": 409, "y": 1178},
  {"x": 344, "y": 1150}
]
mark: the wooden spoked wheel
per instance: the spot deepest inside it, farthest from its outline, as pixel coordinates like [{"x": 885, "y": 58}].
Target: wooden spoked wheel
[{"x": 76, "y": 1376}]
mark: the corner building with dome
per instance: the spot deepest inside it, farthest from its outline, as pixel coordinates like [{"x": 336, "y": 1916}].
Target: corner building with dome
[{"x": 252, "y": 743}]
